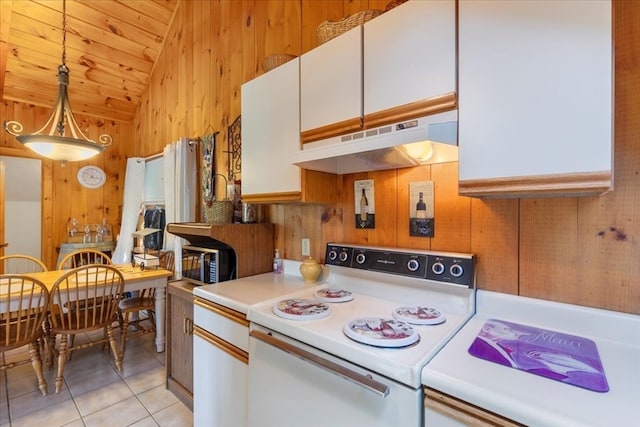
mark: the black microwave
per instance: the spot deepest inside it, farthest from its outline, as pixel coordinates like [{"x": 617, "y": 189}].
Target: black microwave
[{"x": 208, "y": 265}]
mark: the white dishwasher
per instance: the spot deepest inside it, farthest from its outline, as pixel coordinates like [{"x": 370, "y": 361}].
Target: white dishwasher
[{"x": 221, "y": 344}]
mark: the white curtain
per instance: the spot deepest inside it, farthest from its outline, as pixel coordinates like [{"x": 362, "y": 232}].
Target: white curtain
[
  {"x": 133, "y": 197},
  {"x": 180, "y": 192}
]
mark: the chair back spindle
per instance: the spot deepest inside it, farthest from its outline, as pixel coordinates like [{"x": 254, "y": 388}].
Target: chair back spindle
[
  {"x": 88, "y": 296},
  {"x": 21, "y": 264},
  {"x": 83, "y": 257}
]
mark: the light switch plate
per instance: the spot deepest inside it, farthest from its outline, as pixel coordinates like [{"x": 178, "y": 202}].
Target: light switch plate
[{"x": 306, "y": 247}]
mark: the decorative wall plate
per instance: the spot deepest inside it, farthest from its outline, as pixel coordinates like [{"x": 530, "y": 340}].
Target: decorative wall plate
[{"x": 91, "y": 177}]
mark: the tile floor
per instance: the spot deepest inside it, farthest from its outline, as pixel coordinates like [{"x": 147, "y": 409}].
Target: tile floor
[{"x": 94, "y": 392}]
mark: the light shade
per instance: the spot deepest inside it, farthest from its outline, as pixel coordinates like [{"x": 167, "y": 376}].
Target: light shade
[
  {"x": 60, "y": 138},
  {"x": 60, "y": 148}
]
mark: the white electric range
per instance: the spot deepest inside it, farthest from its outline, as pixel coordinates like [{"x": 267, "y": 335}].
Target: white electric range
[{"x": 352, "y": 348}]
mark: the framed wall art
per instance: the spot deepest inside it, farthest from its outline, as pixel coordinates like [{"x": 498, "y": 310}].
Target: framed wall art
[
  {"x": 421, "y": 220},
  {"x": 364, "y": 199}
]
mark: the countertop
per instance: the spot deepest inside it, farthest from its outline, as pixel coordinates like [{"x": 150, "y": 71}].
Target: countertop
[
  {"x": 532, "y": 399},
  {"x": 239, "y": 294}
]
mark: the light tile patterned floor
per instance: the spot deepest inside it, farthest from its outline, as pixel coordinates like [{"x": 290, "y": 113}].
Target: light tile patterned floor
[{"x": 94, "y": 392}]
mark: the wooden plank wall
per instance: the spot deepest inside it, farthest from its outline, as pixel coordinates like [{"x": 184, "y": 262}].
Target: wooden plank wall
[{"x": 578, "y": 250}]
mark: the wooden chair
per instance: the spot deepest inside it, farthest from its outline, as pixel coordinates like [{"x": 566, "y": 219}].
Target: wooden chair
[
  {"x": 23, "y": 309},
  {"x": 145, "y": 301},
  {"x": 21, "y": 264},
  {"x": 83, "y": 257},
  {"x": 82, "y": 300},
  {"x": 79, "y": 258}
]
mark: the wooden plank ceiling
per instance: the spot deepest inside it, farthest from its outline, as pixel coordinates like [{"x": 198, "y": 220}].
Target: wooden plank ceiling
[{"x": 112, "y": 46}]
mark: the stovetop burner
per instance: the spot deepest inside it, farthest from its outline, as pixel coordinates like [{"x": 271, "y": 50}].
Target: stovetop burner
[
  {"x": 419, "y": 315},
  {"x": 381, "y": 332},
  {"x": 302, "y": 309},
  {"x": 334, "y": 295}
]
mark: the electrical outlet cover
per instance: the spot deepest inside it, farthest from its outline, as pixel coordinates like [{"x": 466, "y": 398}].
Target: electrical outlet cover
[{"x": 306, "y": 247}]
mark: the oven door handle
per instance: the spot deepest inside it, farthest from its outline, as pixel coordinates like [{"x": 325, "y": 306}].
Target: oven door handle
[{"x": 365, "y": 381}]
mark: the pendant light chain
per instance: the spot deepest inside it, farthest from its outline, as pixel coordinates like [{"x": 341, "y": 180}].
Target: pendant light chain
[
  {"x": 64, "y": 32},
  {"x": 63, "y": 117}
]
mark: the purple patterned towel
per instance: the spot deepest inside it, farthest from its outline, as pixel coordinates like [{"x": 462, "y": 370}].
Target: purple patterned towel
[{"x": 562, "y": 357}]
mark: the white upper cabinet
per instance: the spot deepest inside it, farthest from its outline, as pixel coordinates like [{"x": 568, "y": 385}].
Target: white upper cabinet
[
  {"x": 271, "y": 132},
  {"x": 409, "y": 55},
  {"x": 331, "y": 83},
  {"x": 399, "y": 65},
  {"x": 271, "y": 136},
  {"x": 535, "y": 97}
]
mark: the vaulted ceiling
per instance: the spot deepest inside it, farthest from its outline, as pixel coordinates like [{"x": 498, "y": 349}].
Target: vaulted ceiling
[{"x": 112, "y": 46}]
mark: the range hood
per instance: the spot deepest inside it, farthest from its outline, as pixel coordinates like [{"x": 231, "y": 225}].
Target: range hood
[{"x": 426, "y": 140}]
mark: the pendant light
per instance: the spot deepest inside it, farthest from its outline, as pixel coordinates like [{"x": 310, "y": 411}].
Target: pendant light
[{"x": 60, "y": 138}]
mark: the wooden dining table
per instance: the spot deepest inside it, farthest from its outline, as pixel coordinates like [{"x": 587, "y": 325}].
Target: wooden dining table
[{"x": 135, "y": 279}]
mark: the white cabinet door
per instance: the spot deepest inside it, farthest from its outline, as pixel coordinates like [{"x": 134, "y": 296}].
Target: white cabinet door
[
  {"x": 409, "y": 54},
  {"x": 535, "y": 97},
  {"x": 331, "y": 82},
  {"x": 271, "y": 131},
  {"x": 220, "y": 386}
]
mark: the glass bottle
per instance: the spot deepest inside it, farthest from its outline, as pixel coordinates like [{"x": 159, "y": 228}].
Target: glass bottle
[
  {"x": 72, "y": 228},
  {"x": 106, "y": 230},
  {"x": 364, "y": 206},
  {"x": 87, "y": 234},
  {"x": 421, "y": 208}
]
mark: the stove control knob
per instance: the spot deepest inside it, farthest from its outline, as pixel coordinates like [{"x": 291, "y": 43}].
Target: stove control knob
[
  {"x": 413, "y": 265},
  {"x": 361, "y": 258},
  {"x": 343, "y": 256},
  {"x": 438, "y": 267},
  {"x": 456, "y": 270},
  {"x": 333, "y": 255}
]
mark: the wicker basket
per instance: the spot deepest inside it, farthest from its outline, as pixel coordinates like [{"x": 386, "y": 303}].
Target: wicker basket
[
  {"x": 329, "y": 29},
  {"x": 275, "y": 60},
  {"x": 393, "y": 3},
  {"x": 220, "y": 212}
]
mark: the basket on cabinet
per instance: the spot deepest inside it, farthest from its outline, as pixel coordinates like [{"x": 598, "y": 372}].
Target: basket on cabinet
[
  {"x": 392, "y": 4},
  {"x": 275, "y": 60},
  {"x": 219, "y": 212},
  {"x": 330, "y": 29}
]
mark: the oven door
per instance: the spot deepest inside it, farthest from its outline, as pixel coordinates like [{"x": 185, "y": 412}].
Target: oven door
[{"x": 293, "y": 384}]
